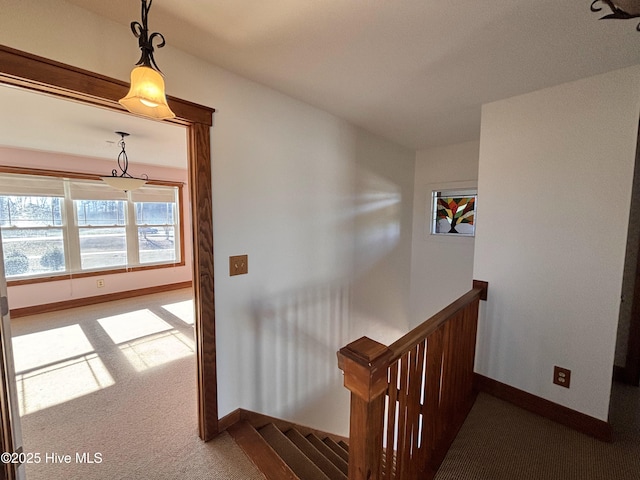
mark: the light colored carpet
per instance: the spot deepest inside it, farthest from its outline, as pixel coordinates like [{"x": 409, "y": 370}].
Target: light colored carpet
[
  {"x": 500, "y": 441},
  {"x": 118, "y": 379}
]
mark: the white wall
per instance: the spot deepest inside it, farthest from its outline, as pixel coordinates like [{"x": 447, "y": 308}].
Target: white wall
[
  {"x": 29, "y": 295},
  {"x": 555, "y": 177},
  {"x": 441, "y": 267},
  {"x": 291, "y": 184},
  {"x": 382, "y": 217}
]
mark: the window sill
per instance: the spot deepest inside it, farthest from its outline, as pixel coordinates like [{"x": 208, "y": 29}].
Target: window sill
[{"x": 94, "y": 273}]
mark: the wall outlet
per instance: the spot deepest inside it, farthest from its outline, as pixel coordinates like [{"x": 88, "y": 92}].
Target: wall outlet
[
  {"x": 562, "y": 376},
  {"x": 100, "y": 283}
]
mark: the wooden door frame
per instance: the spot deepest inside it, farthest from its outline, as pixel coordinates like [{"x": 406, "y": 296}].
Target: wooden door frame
[
  {"x": 47, "y": 76},
  {"x": 632, "y": 367},
  {"x": 630, "y": 372}
]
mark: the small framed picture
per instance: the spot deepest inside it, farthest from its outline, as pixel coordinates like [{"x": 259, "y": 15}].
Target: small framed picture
[{"x": 453, "y": 212}]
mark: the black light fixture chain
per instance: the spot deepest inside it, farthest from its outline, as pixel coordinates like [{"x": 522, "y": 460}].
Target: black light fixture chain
[
  {"x": 145, "y": 41},
  {"x": 123, "y": 160}
]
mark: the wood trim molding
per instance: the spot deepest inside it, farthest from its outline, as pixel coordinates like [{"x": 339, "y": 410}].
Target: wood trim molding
[
  {"x": 82, "y": 302},
  {"x": 258, "y": 420},
  {"x": 545, "y": 408},
  {"x": 43, "y": 172},
  {"x": 230, "y": 419},
  {"x": 630, "y": 372},
  {"x": 632, "y": 366},
  {"x": 202, "y": 227},
  {"x": 47, "y": 76}
]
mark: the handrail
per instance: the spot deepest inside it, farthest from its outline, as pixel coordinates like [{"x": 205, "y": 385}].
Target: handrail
[
  {"x": 409, "y": 399},
  {"x": 426, "y": 328}
]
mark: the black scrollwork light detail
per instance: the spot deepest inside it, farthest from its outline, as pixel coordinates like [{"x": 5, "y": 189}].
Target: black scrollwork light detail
[
  {"x": 621, "y": 10},
  {"x": 123, "y": 180},
  {"x": 145, "y": 41},
  {"x": 123, "y": 160}
]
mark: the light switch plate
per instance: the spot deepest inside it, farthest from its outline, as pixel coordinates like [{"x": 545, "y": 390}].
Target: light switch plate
[{"x": 238, "y": 265}]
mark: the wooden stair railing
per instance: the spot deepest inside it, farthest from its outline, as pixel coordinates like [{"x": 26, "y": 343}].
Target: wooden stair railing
[{"x": 409, "y": 400}]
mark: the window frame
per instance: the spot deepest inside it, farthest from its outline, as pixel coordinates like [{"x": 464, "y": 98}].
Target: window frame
[
  {"x": 465, "y": 192},
  {"x": 68, "y": 275}
]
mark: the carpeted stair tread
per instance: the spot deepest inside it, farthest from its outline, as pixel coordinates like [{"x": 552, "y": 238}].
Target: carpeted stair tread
[
  {"x": 323, "y": 448},
  {"x": 297, "y": 461},
  {"x": 344, "y": 445},
  {"x": 337, "y": 449},
  {"x": 322, "y": 462}
]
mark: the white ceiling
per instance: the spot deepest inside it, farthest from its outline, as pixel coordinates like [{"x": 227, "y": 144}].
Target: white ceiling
[
  {"x": 78, "y": 129},
  {"x": 413, "y": 71}
]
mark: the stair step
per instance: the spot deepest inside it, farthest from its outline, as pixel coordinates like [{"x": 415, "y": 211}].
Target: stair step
[
  {"x": 258, "y": 450},
  {"x": 336, "y": 459},
  {"x": 323, "y": 463},
  {"x": 337, "y": 448},
  {"x": 297, "y": 461},
  {"x": 344, "y": 445}
]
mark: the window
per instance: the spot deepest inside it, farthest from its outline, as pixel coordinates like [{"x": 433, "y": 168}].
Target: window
[
  {"x": 102, "y": 233},
  {"x": 31, "y": 234},
  {"x": 453, "y": 212},
  {"x": 55, "y": 226},
  {"x": 156, "y": 225}
]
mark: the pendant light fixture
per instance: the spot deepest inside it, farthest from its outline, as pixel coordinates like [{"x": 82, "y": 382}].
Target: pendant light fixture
[
  {"x": 123, "y": 181},
  {"x": 146, "y": 95},
  {"x": 620, "y": 9}
]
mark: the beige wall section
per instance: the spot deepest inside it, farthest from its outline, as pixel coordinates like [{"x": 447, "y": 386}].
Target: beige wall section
[
  {"x": 322, "y": 209},
  {"x": 441, "y": 267},
  {"x": 64, "y": 290},
  {"x": 555, "y": 178}
]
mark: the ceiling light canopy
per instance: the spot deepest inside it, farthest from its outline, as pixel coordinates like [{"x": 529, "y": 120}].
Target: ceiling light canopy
[
  {"x": 123, "y": 181},
  {"x": 146, "y": 95},
  {"x": 620, "y": 9}
]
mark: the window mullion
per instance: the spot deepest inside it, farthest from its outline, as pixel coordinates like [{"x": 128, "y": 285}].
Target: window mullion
[
  {"x": 133, "y": 253},
  {"x": 70, "y": 231}
]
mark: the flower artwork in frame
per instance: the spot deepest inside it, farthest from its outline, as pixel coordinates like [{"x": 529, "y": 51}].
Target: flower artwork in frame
[{"x": 454, "y": 212}]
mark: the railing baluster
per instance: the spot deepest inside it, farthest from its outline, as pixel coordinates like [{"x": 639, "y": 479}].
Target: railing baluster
[
  {"x": 431, "y": 398},
  {"x": 402, "y": 456},
  {"x": 428, "y": 378},
  {"x": 413, "y": 414},
  {"x": 391, "y": 422}
]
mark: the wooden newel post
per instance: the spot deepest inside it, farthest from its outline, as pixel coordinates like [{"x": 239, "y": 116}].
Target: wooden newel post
[{"x": 365, "y": 363}]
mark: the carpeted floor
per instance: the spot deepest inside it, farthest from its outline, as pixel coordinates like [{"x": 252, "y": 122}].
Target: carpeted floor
[
  {"x": 500, "y": 441},
  {"x": 117, "y": 380}
]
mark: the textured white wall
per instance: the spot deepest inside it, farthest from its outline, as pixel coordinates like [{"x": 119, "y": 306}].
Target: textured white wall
[
  {"x": 312, "y": 200},
  {"x": 441, "y": 267},
  {"x": 555, "y": 177}
]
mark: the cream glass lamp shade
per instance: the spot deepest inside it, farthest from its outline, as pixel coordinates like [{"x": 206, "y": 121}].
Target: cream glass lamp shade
[
  {"x": 125, "y": 184},
  {"x": 146, "y": 95}
]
